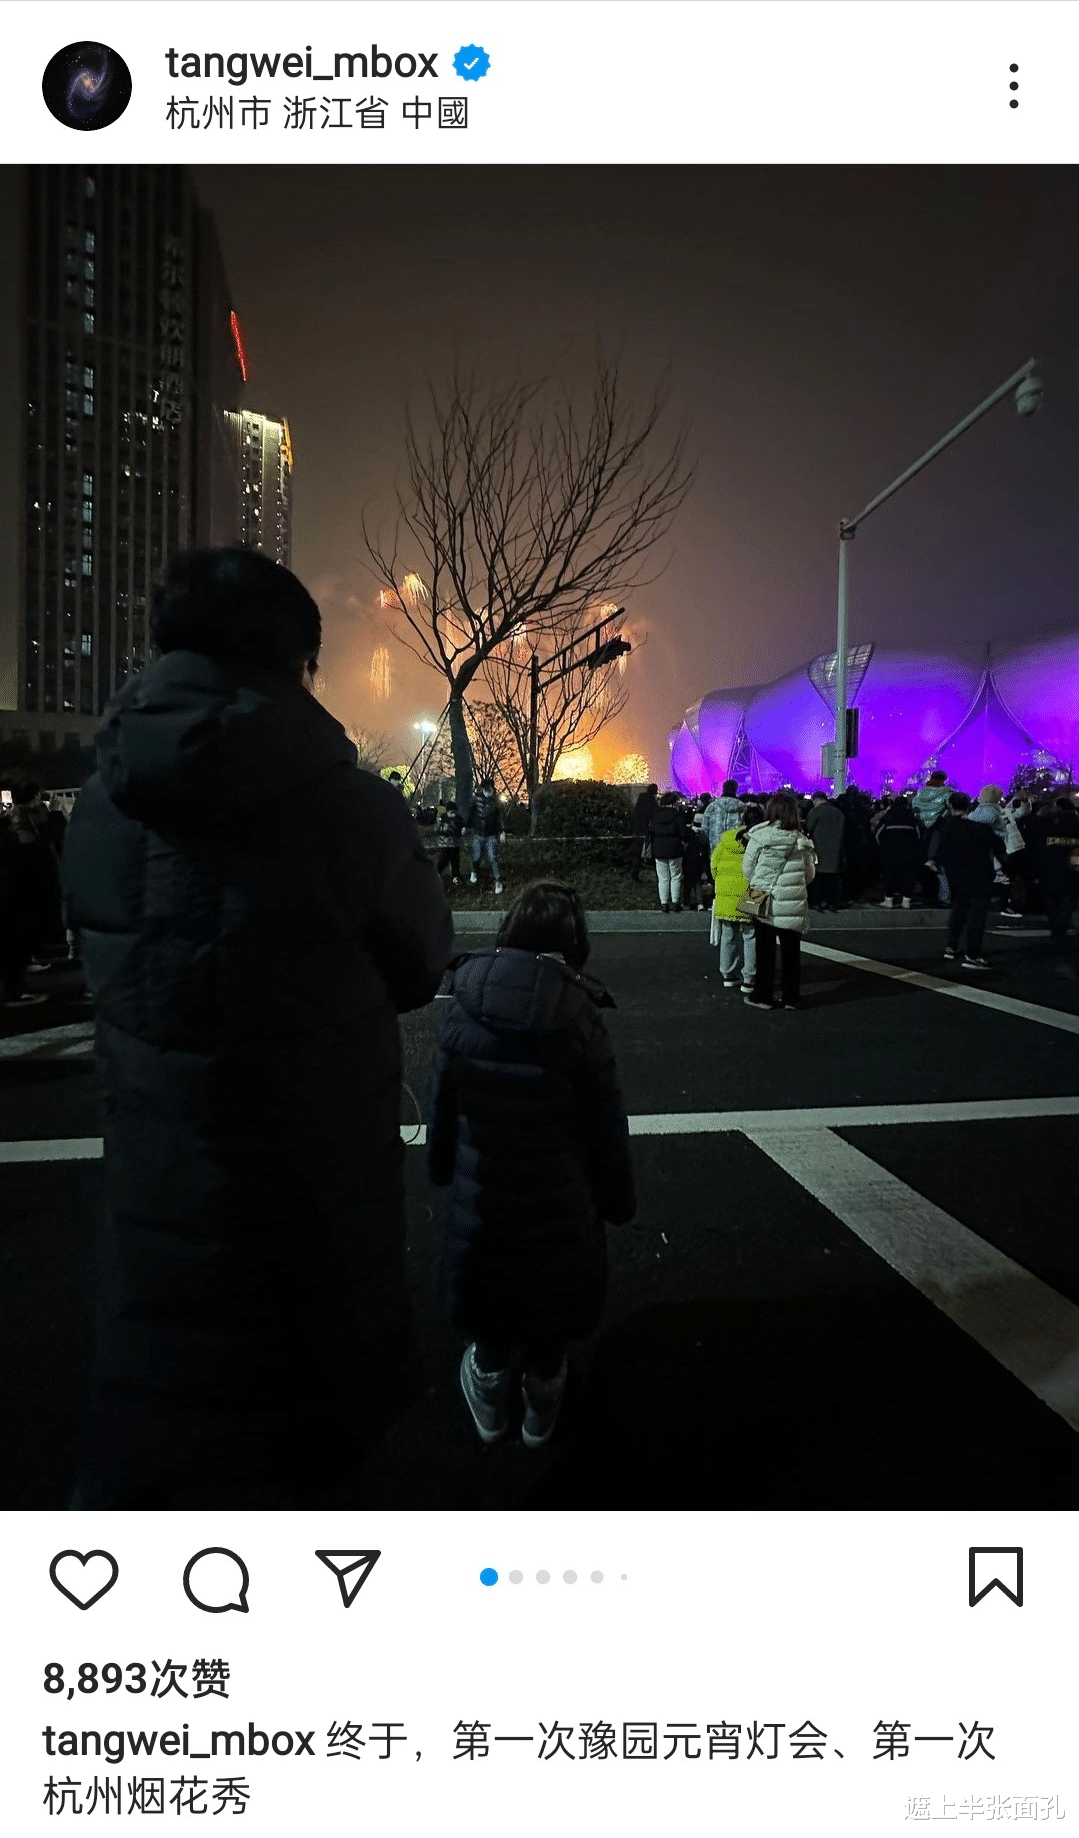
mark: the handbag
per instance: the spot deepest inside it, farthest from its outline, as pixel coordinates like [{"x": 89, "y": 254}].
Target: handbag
[{"x": 756, "y": 902}]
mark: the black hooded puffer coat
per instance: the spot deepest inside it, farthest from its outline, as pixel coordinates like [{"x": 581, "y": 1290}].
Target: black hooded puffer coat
[
  {"x": 527, "y": 1126},
  {"x": 254, "y": 912}
]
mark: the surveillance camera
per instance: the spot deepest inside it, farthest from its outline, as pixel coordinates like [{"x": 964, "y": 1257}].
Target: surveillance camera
[{"x": 1028, "y": 396}]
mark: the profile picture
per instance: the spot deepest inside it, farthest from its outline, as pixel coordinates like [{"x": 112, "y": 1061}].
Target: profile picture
[{"x": 86, "y": 86}]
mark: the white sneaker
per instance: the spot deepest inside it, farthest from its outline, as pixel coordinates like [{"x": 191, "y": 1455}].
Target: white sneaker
[
  {"x": 498, "y": 886},
  {"x": 889, "y": 902},
  {"x": 472, "y": 880},
  {"x": 906, "y": 905}
]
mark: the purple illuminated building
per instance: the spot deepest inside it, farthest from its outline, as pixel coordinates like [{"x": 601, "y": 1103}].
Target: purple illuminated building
[{"x": 980, "y": 718}]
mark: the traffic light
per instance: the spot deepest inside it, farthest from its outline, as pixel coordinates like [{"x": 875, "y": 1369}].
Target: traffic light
[{"x": 607, "y": 653}]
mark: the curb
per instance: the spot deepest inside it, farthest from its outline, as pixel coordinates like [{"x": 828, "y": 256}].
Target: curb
[{"x": 858, "y": 919}]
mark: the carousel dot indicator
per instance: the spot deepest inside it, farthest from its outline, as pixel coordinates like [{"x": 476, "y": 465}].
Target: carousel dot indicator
[
  {"x": 569, "y": 1576},
  {"x": 516, "y": 1576},
  {"x": 597, "y": 1576},
  {"x": 488, "y": 1578},
  {"x": 543, "y": 1576}
]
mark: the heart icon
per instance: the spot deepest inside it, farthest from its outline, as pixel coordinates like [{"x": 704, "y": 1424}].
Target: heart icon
[{"x": 80, "y": 1587}]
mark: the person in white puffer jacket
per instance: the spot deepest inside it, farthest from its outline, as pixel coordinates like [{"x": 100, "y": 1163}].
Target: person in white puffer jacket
[{"x": 780, "y": 860}]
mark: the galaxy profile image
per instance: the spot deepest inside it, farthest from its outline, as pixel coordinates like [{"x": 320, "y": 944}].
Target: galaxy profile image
[{"x": 86, "y": 86}]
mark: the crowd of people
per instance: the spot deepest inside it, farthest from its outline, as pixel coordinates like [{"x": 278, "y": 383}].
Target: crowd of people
[
  {"x": 816, "y": 852},
  {"x": 254, "y": 914},
  {"x": 32, "y": 931}
]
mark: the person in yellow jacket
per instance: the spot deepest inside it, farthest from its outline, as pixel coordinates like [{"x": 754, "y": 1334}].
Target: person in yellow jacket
[{"x": 734, "y": 936}]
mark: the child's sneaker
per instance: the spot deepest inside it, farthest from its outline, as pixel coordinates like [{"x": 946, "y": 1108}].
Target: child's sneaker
[
  {"x": 487, "y": 1395},
  {"x": 889, "y": 902},
  {"x": 542, "y": 1400},
  {"x": 498, "y": 886},
  {"x": 950, "y": 954},
  {"x": 906, "y": 903},
  {"x": 473, "y": 878},
  {"x": 731, "y": 982}
]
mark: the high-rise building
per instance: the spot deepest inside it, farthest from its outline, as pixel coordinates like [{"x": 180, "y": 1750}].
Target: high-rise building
[
  {"x": 264, "y": 447},
  {"x": 119, "y": 358}
]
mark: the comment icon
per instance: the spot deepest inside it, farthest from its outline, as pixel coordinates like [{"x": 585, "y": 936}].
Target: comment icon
[{"x": 216, "y": 1580}]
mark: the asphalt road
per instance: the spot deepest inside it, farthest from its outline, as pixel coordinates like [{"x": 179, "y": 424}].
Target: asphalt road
[{"x": 824, "y": 1302}]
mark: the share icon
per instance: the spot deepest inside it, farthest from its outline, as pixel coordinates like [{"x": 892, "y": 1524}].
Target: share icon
[{"x": 351, "y": 1568}]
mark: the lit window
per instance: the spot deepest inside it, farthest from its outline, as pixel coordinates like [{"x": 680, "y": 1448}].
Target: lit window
[
  {"x": 88, "y": 405},
  {"x": 87, "y": 644},
  {"x": 87, "y": 484},
  {"x": 90, "y": 187},
  {"x": 88, "y": 377},
  {"x": 88, "y": 271},
  {"x": 88, "y": 242},
  {"x": 88, "y": 322},
  {"x": 88, "y": 564},
  {"x": 87, "y": 512}
]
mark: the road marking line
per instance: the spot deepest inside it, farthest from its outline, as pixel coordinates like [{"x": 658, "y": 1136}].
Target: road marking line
[
  {"x": 684, "y": 1123},
  {"x": 55, "y": 1149},
  {"x": 21, "y": 1046},
  {"x": 850, "y": 1116},
  {"x": 962, "y": 992},
  {"x": 1025, "y": 1325}
]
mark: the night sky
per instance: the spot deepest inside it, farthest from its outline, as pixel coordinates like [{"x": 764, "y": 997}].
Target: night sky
[{"x": 823, "y": 327}]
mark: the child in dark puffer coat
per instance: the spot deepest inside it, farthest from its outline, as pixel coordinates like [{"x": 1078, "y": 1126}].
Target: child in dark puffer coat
[{"x": 527, "y": 1127}]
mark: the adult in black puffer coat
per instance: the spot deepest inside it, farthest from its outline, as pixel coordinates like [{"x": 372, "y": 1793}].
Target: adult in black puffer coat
[
  {"x": 254, "y": 913},
  {"x": 527, "y": 1126}
]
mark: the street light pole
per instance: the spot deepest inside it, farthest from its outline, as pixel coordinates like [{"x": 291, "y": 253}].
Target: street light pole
[
  {"x": 839, "y": 763},
  {"x": 533, "y": 735},
  {"x": 1028, "y": 394}
]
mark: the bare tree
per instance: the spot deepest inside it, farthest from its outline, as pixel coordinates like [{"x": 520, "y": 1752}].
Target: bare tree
[
  {"x": 493, "y": 738},
  {"x": 573, "y": 707},
  {"x": 372, "y": 749},
  {"x": 518, "y": 510}
]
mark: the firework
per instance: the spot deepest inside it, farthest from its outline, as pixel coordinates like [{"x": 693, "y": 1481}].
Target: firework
[
  {"x": 380, "y": 672},
  {"x": 631, "y": 769},
  {"x": 577, "y": 763},
  {"x": 415, "y": 591}
]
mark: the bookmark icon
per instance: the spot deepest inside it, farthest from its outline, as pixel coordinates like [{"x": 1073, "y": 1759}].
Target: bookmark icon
[
  {"x": 995, "y": 1566},
  {"x": 351, "y": 1568}
]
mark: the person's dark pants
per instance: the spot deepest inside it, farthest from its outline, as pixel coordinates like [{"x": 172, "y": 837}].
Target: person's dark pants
[
  {"x": 826, "y": 889},
  {"x": 1017, "y": 871},
  {"x": 15, "y": 954},
  {"x": 451, "y": 859},
  {"x": 969, "y": 912},
  {"x": 790, "y": 967},
  {"x": 897, "y": 878},
  {"x": 544, "y": 1359},
  {"x": 1059, "y": 909},
  {"x": 639, "y": 847}
]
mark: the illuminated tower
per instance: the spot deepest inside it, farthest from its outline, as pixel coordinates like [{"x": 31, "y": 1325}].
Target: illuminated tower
[
  {"x": 264, "y": 449},
  {"x": 117, "y": 365}
]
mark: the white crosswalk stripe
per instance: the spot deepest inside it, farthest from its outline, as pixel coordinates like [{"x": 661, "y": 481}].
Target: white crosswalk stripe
[{"x": 1027, "y": 1327}]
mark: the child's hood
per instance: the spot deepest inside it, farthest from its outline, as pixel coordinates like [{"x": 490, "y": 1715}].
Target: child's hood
[{"x": 520, "y": 992}]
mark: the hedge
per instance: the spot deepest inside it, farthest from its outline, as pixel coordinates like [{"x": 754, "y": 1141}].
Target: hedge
[{"x": 582, "y": 807}]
